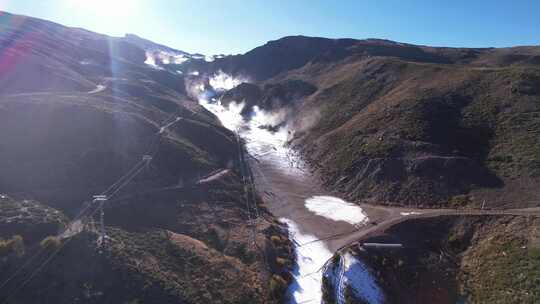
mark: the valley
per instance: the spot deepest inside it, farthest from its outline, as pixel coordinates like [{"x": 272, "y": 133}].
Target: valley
[
  {"x": 137, "y": 173},
  {"x": 288, "y": 187}
]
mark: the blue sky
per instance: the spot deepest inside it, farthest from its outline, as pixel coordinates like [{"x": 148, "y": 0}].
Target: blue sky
[{"x": 235, "y": 26}]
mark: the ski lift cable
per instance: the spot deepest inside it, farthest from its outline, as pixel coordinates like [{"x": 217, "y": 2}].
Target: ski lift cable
[
  {"x": 36, "y": 271},
  {"x": 133, "y": 175},
  {"x": 241, "y": 164},
  {"x": 38, "y": 253},
  {"x": 28, "y": 262},
  {"x": 119, "y": 184},
  {"x": 127, "y": 181},
  {"x": 120, "y": 180},
  {"x": 150, "y": 151},
  {"x": 251, "y": 221}
]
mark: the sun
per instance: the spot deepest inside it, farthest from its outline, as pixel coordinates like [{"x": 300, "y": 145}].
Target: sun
[{"x": 105, "y": 8}]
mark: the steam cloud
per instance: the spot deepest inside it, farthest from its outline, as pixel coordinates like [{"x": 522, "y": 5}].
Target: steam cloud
[
  {"x": 221, "y": 81},
  {"x": 275, "y": 127}
]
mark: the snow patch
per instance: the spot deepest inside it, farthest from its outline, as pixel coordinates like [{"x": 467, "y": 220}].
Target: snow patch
[
  {"x": 307, "y": 273},
  {"x": 336, "y": 209},
  {"x": 154, "y": 58},
  {"x": 151, "y": 61},
  {"x": 86, "y": 62},
  {"x": 353, "y": 273},
  {"x": 99, "y": 88}
]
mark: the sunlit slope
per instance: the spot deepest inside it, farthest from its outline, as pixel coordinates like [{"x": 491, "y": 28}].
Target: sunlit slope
[
  {"x": 79, "y": 108},
  {"x": 390, "y": 122}
]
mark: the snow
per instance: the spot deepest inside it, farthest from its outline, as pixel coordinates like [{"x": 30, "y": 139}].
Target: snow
[
  {"x": 155, "y": 57},
  {"x": 259, "y": 141},
  {"x": 307, "y": 273},
  {"x": 230, "y": 116},
  {"x": 197, "y": 56},
  {"x": 99, "y": 88},
  {"x": 336, "y": 209},
  {"x": 151, "y": 61},
  {"x": 179, "y": 59},
  {"x": 358, "y": 276},
  {"x": 86, "y": 62}
]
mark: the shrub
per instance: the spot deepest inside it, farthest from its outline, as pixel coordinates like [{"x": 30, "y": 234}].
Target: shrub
[
  {"x": 278, "y": 285},
  {"x": 18, "y": 245},
  {"x": 276, "y": 240},
  {"x": 335, "y": 259},
  {"x": 458, "y": 201},
  {"x": 5, "y": 248},
  {"x": 14, "y": 245},
  {"x": 282, "y": 262},
  {"x": 51, "y": 243}
]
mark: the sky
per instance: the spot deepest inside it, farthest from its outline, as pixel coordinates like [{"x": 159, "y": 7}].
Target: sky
[{"x": 236, "y": 26}]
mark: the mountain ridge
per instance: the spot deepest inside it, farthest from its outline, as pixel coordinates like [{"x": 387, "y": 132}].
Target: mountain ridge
[{"x": 393, "y": 123}]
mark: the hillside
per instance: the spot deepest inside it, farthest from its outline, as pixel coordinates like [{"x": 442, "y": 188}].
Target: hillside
[
  {"x": 79, "y": 110},
  {"x": 474, "y": 259},
  {"x": 396, "y": 123}
]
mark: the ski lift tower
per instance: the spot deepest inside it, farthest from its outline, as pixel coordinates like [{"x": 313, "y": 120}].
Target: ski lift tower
[
  {"x": 100, "y": 200},
  {"x": 147, "y": 159}
]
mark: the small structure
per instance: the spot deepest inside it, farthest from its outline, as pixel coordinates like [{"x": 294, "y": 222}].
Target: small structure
[
  {"x": 100, "y": 198},
  {"x": 382, "y": 245}
]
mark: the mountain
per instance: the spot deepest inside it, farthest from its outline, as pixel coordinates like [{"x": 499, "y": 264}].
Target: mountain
[
  {"x": 395, "y": 123},
  {"x": 81, "y": 114},
  {"x": 107, "y": 130},
  {"x": 148, "y": 45},
  {"x": 400, "y": 125},
  {"x": 161, "y": 56},
  {"x": 294, "y": 52}
]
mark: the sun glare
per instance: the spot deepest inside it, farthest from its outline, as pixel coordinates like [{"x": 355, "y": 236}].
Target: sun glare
[{"x": 105, "y": 8}]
